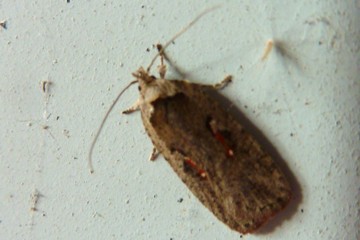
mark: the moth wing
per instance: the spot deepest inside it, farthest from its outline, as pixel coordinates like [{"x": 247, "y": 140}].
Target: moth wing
[{"x": 219, "y": 161}]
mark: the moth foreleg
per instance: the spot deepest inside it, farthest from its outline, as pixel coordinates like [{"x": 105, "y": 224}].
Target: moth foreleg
[
  {"x": 223, "y": 83},
  {"x": 135, "y": 107},
  {"x": 162, "y": 66},
  {"x": 154, "y": 154}
]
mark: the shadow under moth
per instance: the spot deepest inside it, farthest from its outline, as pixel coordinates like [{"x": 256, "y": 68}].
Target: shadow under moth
[{"x": 222, "y": 164}]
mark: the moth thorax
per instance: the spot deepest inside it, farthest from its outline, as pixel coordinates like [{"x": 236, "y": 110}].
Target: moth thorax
[{"x": 158, "y": 88}]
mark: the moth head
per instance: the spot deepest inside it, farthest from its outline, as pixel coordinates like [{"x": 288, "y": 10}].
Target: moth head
[
  {"x": 143, "y": 77},
  {"x": 145, "y": 81}
]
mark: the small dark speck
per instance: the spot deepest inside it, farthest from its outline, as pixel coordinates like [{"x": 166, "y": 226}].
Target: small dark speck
[
  {"x": 148, "y": 50},
  {"x": 241, "y": 236},
  {"x": 173, "y": 42},
  {"x": 291, "y": 134},
  {"x": 3, "y": 24},
  {"x": 302, "y": 210},
  {"x": 143, "y": 219},
  {"x": 57, "y": 118},
  {"x": 143, "y": 6},
  {"x": 245, "y": 106},
  {"x": 68, "y": 1},
  {"x": 180, "y": 200},
  {"x": 75, "y": 158},
  {"x": 320, "y": 43},
  {"x": 155, "y": 196}
]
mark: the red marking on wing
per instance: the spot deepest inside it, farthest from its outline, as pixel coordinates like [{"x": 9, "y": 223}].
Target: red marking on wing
[
  {"x": 221, "y": 139},
  {"x": 194, "y": 166}
]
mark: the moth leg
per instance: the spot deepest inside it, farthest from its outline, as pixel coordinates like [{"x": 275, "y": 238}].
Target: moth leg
[
  {"x": 223, "y": 83},
  {"x": 135, "y": 107},
  {"x": 154, "y": 154},
  {"x": 162, "y": 67}
]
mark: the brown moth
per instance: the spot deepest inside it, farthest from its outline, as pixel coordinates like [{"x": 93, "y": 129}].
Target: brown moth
[{"x": 219, "y": 161}]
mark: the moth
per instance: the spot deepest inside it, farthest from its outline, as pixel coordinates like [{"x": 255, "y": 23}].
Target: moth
[{"x": 221, "y": 163}]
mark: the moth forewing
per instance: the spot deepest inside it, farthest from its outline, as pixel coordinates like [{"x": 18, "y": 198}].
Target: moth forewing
[{"x": 221, "y": 163}]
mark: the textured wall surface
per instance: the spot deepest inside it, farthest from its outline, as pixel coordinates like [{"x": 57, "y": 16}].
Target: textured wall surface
[{"x": 304, "y": 96}]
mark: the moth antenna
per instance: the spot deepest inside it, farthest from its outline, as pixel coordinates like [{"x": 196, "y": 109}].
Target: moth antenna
[
  {"x": 180, "y": 33},
  {"x": 91, "y": 168}
]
